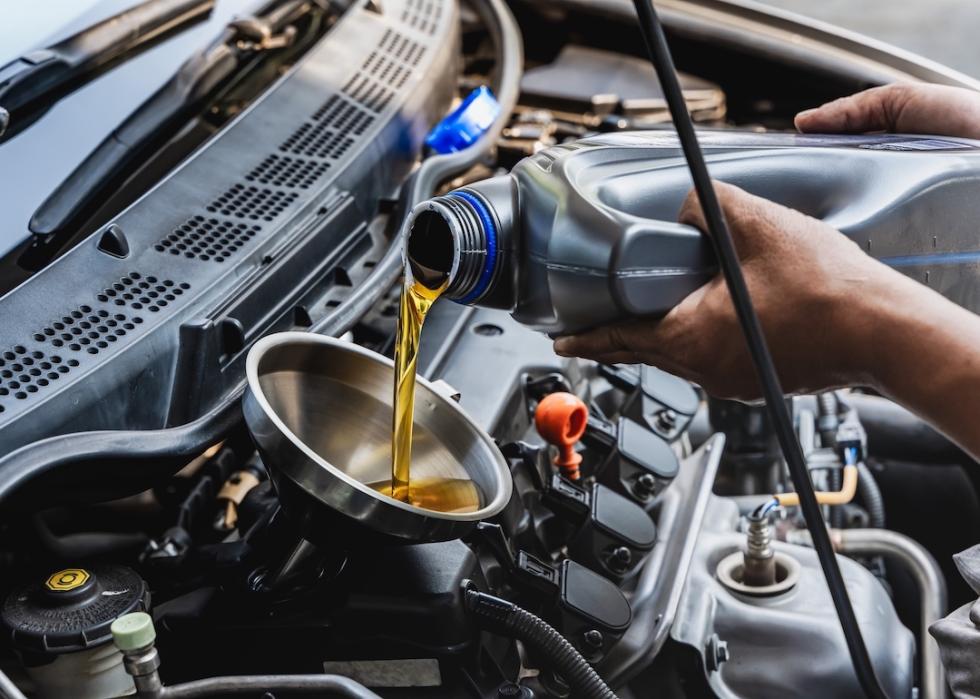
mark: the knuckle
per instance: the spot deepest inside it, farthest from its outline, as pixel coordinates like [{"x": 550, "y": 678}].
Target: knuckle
[{"x": 894, "y": 90}]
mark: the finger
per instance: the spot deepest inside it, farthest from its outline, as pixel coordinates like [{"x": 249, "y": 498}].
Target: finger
[
  {"x": 877, "y": 109},
  {"x": 640, "y": 342},
  {"x": 619, "y": 358},
  {"x": 619, "y": 338},
  {"x": 691, "y": 212},
  {"x": 658, "y": 360},
  {"x": 736, "y": 204}
]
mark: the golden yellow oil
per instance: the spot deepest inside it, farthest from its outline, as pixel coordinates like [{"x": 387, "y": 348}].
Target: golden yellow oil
[{"x": 441, "y": 494}]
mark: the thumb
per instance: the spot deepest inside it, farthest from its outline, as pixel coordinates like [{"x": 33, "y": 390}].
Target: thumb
[
  {"x": 876, "y": 109},
  {"x": 734, "y": 203},
  {"x": 691, "y": 212}
]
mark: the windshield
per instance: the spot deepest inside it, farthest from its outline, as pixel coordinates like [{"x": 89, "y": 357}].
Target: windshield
[
  {"x": 27, "y": 26},
  {"x": 36, "y": 161}
]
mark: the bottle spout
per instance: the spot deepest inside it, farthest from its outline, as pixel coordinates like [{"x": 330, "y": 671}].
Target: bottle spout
[
  {"x": 458, "y": 240},
  {"x": 430, "y": 248}
]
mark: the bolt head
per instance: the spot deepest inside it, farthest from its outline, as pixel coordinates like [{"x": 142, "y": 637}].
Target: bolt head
[
  {"x": 593, "y": 639},
  {"x": 645, "y": 485},
  {"x": 508, "y": 690},
  {"x": 716, "y": 653},
  {"x": 667, "y": 419}
]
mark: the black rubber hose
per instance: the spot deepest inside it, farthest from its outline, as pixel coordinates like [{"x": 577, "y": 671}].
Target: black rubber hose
[
  {"x": 871, "y": 496},
  {"x": 663, "y": 63},
  {"x": 827, "y": 418},
  {"x": 828, "y": 421},
  {"x": 84, "y": 545},
  {"x": 99, "y": 456},
  {"x": 896, "y": 433},
  {"x": 114, "y": 452},
  {"x": 500, "y": 616}
]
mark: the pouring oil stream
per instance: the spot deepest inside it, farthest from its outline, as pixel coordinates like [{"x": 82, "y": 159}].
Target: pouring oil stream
[
  {"x": 416, "y": 300},
  {"x": 428, "y": 492}
]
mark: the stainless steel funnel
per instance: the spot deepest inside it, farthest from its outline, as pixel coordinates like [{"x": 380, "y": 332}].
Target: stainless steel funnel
[{"x": 320, "y": 412}]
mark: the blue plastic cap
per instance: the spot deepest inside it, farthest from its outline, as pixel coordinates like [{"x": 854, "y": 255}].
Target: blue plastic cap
[{"x": 470, "y": 120}]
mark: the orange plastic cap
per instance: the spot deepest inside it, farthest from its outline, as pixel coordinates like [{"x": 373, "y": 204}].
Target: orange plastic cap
[{"x": 560, "y": 419}]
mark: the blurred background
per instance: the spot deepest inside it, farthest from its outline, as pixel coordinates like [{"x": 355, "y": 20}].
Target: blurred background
[{"x": 943, "y": 30}]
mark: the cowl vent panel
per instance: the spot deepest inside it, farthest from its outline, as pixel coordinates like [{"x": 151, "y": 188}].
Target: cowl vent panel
[
  {"x": 208, "y": 239},
  {"x": 250, "y": 215}
]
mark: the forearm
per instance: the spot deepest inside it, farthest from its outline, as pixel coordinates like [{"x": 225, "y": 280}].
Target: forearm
[{"x": 923, "y": 352}]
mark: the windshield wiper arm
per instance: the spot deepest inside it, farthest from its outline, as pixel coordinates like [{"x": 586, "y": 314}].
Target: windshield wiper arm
[
  {"x": 200, "y": 79},
  {"x": 33, "y": 83}
]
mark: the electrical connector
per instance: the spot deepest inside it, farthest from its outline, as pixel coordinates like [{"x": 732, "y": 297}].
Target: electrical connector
[{"x": 851, "y": 438}]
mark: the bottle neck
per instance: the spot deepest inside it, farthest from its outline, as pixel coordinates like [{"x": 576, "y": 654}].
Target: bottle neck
[{"x": 454, "y": 237}]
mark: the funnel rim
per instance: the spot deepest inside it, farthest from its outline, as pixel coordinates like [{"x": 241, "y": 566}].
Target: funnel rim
[{"x": 504, "y": 485}]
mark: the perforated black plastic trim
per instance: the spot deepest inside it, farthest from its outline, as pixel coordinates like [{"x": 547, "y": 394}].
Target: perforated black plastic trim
[
  {"x": 28, "y": 368},
  {"x": 208, "y": 239},
  {"x": 365, "y": 91},
  {"x": 143, "y": 293},
  {"x": 422, "y": 15},
  {"x": 317, "y": 140},
  {"x": 88, "y": 329},
  {"x": 387, "y": 70},
  {"x": 254, "y": 203},
  {"x": 401, "y": 47},
  {"x": 24, "y": 371},
  {"x": 94, "y": 332},
  {"x": 384, "y": 71},
  {"x": 343, "y": 115},
  {"x": 293, "y": 173}
]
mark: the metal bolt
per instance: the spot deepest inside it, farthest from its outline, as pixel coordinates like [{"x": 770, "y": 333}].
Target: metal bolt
[
  {"x": 593, "y": 639},
  {"x": 508, "y": 690},
  {"x": 759, "y": 567},
  {"x": 716, "y": 653},
  {"x": 666, "y": 420},
  {"x": 644, "y": 486},
  {"x": 620, "y": 559},
  {"x": 257, "y": 580}
]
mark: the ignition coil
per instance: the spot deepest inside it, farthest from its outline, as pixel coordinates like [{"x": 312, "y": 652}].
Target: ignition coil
[{"x": 613, "y": 534}]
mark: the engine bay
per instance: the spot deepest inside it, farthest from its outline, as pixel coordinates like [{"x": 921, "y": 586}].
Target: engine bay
[{"x": 135, "y": 479}]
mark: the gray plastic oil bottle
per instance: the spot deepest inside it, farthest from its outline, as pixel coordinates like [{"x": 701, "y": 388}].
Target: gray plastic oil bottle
[{"x": 583, "y": 234}]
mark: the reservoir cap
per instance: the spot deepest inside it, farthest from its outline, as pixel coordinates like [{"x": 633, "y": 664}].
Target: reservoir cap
[
  {"x": 71, "y": 609},
  {"x": 470, "y": 120}
]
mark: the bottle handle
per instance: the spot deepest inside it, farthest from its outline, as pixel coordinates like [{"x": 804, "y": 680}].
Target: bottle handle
[{"x": 656, "y": 264}]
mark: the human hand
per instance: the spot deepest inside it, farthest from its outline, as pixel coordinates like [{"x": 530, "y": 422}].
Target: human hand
[
  {"x": 905, "y": 108},
  {"x": 807, "y": 282}
]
